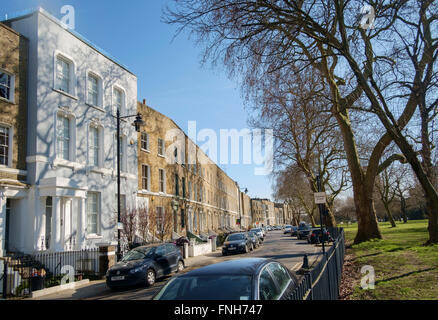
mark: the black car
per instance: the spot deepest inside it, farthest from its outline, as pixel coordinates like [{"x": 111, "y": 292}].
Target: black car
[
  {"x": 303, "y": 231},
  {"x": 145, "y": 264},
  {"x": 294, "y": 231},
  {"x": 316, "y": 236},
  {"x": 240, "y": 279},
  {"x": 254, "y": 238},
  {"x": 237, "y": 242}
]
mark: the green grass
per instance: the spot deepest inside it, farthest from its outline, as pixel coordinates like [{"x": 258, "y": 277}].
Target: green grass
[{"x": 404, "y": 268}]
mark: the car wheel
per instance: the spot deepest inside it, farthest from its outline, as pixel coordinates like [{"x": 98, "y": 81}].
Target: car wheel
[
  {"x": 150, "y": 277},
  {"x": 224, "y": 253},
  {"x": 180, "y": 266}
]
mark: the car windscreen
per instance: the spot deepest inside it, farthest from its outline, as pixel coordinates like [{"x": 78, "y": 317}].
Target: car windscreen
[
  {"x": 256, "y": 230},
  {"x": 234, "y": 237},
  {"x": 208, "y": 287},
  {"x": 137, "y": 254}
]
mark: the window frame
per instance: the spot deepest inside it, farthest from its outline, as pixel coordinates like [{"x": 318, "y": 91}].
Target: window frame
[
  {"x": 99, "y": 87},
  {"x": 147, "y": 178},
  {"x": 10, "y": 145},
  {"x": 11, "y": 97},
  {"x": 147, "y": 141},
  {"x": 97, "y": 213},
  {"x": 100, "y": 137},
  {"x": 162, "y": 180},
  {"x": 72, "y": 73},
  {"x": 72, "y": 135},
  {"x": 162, "y": 146},
  {"x": 113, "y": 99}
]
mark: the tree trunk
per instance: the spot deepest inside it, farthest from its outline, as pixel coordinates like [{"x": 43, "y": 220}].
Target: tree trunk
[
  {"x": 367, "y": 221},
  {"x": 390, "y": 217},
  {"x": 433, "y": 223},
  {"x": 367, "y": 227},
  {"x": 330, "y": 218},
  {"x": 403, "y": 209}
]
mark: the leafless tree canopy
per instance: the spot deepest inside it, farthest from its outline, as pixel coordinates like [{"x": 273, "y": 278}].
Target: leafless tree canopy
[{"x": 383, "y": 64}]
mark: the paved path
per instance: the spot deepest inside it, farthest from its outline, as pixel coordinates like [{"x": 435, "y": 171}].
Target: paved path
[{"x": 283, "y": 248}]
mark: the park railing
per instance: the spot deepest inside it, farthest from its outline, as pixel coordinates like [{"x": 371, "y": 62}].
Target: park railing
[{"x": 322, "y": 282}]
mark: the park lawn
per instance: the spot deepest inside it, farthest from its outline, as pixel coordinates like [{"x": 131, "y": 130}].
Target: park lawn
[{"x": 404, "y": 268}]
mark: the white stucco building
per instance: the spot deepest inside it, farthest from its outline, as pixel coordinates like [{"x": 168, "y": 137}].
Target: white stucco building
[{"x": 73, "y": 91}]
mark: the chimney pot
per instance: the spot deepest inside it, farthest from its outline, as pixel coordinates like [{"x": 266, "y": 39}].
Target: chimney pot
[{"x": 144, "y": 101}]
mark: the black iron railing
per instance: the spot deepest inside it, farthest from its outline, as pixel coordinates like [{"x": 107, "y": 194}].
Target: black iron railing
[
  {"x": 323, "y": 280},
  {"x": 21, "y": 274}
]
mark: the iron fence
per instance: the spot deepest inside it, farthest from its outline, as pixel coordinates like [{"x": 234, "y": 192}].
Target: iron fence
[
  {"x": 22, "y": 273},
  {"x": 322, "y": 281}
]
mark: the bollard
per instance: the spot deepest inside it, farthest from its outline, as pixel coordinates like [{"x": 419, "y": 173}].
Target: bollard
[{"x": 305, "y": 262}]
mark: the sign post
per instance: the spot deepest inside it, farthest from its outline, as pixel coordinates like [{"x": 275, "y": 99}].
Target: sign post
[{"x": 320, "y": 200}]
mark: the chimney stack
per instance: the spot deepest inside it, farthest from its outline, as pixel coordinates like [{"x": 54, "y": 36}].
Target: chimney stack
[{"x": 144, "y": 101}]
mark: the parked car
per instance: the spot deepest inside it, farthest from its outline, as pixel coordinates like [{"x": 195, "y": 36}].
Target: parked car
[
  {"x": 145, "y": 264},
  {"x": 294, "y": 231},
  {"x": 259, "y": 232},
  {"x": 236, "y": 243},
  {"x": 303, "y": 231},
  {"x": 256, "y": 242},
  {"x": 316, "y": 236},
  {"x": 287, "y": 229},
  {"x": 240, "y": 279}
]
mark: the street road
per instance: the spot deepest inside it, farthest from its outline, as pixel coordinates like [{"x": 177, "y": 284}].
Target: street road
[{"x": 281, "y": 247}]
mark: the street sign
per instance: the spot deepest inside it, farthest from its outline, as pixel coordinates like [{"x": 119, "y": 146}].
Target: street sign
[
  {"x": 237, "y": 221},
  {"x": 319, "y": 197},
  {"x": 119, "y": 226}
]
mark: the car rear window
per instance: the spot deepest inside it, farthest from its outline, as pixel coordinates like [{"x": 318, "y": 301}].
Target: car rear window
[{"x": 214, "y": 287}]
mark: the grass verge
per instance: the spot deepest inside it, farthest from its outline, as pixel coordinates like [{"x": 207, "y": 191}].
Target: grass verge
[{"x": 404, "y": 269}]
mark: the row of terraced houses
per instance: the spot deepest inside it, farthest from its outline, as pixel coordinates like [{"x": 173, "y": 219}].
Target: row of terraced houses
[{"x": 58, "y": 179}]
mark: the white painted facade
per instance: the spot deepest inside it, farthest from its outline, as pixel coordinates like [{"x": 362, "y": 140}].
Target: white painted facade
[{"x": 67, "y": 183}]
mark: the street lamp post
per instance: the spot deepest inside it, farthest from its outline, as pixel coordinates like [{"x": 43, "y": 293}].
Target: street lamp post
[
  {"x": 241, "y": 207},
  {"x": 137, "y": 124}
]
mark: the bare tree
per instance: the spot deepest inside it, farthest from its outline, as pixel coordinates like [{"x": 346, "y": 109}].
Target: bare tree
[
  {"x": 385, "y": 186},
  {"x": 305, "y": 132},
  {"x": 254, "y": 38},
  {"x": 164, "y": 223},
  {"x": 128, "y": 218}
]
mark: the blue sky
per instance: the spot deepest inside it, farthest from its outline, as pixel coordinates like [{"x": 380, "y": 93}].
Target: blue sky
[{"x": 169, "y": 73}]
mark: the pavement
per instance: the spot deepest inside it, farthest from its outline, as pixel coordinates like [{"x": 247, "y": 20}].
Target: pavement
[{"x": 278, "y": 246}]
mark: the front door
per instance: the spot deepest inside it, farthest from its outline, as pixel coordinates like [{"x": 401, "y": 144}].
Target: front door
[{"x": 8, "y": 218}]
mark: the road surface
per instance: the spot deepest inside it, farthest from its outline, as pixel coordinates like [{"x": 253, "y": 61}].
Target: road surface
[{"x": 278, "y": 246}]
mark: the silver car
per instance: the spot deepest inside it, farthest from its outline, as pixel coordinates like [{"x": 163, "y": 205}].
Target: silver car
[{"x": 259, "y": 233}]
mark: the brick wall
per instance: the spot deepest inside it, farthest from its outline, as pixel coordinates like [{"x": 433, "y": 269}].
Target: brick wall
[{"x": 14, "y": 59}]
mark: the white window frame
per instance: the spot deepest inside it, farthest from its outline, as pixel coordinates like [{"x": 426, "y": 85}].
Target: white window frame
[
  {"x": 147, "y": 141},
  {"x": 163, "y": 147},
  {"x": 148, "y": 177},
  {"x": 72, "y": 131},
  {"x": 99, "y": 89},
  {"x": 10, "y": 144},
  {"x": 100, "y": 136},
  {"x": 113, "y": 100},
  {"x": 72, "y": 73},
  {"x": 11, "y": 87},
  {"x": 98, "y": 196}
]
